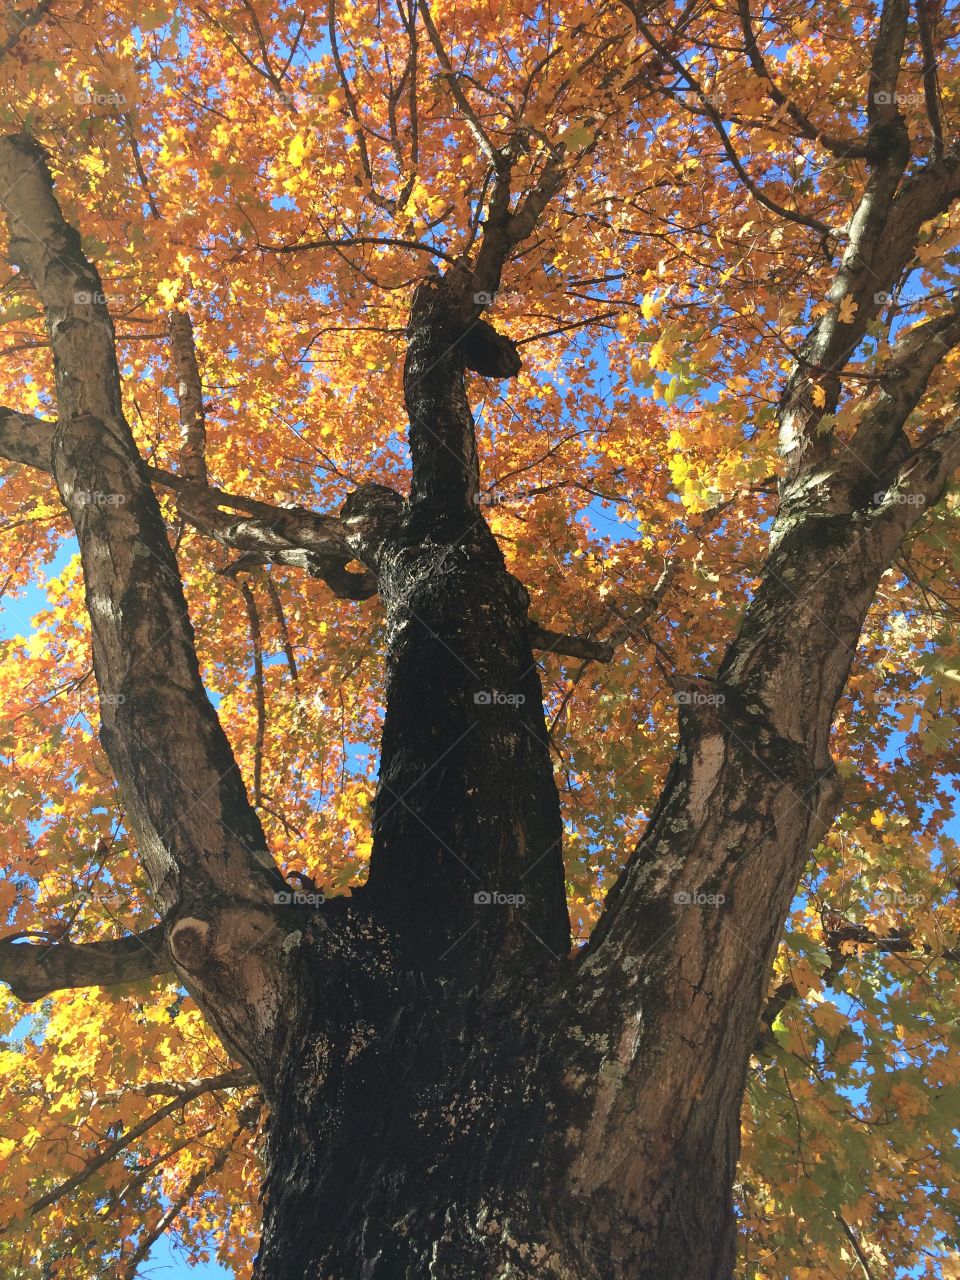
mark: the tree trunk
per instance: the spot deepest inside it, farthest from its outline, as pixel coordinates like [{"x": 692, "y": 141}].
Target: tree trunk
[
  {"x": 429, "y": 1118},
  {"x": 578, "y": 1118}
]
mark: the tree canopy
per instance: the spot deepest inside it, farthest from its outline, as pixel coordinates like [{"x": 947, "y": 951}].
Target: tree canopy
[{"x": 261, "y": 185}]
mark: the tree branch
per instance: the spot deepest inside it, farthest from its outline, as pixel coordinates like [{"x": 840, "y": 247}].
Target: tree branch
[
  {"x": 193, "y": 1185},
  {"x": 906, "y": 374},
  {"x": 926, "y": 18},
  {"x": 885, "y": 62},
  {"x": 882, "y": 240},
  {"x": 235, "y": 1078},
  {"x": 114, "y": 1148},
  {"x": 569, "y": 645},
  {"x": 256, "y": 643},
  {"x": 453, "y": 80},
  {"x": 713, "y": 115},
  {"x": 293, "y": 536},
  {"x": 844, "y": 148},
  {"x": 21, "y": 22},
  {"x": 899, "y": 943},
  {"x": 200, "y": 839},
  {"x": 35, "y": 970},
  {"x": 190, "y": 399}
]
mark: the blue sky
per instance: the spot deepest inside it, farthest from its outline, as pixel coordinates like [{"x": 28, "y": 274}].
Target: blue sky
[{"x": 163, "y": 1264}]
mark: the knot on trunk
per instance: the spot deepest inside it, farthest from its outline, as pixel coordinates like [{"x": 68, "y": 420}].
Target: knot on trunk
[
  {"x": 490, "y": 353},
  {"x": 372, "y": 502},
  {"x": 370, "y": 515},
  {"x": 190, "y": 942},
  {"x": 452, "y": 311}
]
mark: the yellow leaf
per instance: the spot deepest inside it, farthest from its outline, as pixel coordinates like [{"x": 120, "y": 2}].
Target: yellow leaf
[
  {"x": 848, "y": 309},
  {"x": 651, "y": 305},
  {"x": 296, "y": 151}
]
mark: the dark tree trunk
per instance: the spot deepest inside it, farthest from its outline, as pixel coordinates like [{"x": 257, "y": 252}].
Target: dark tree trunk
[
  {"x": 412, "y": 1119},
  {"x": 431, "y": 1114},
  {"x": 510, "y": 1113}
]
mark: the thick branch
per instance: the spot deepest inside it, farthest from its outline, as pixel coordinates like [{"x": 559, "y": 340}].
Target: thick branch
[
  {"x": 906, "y": 374},
  {"x": 926, "y": 19},
  {"x": 256, "y": 643},
  {"x": 504, "y": 229},
  {"x": 235, "y": 1078},
  {"x": 201, "y": 841},
  {"x": 885, "y": 62},
  {"x": 919, "y": 484},
  {"x": 34, "y": 970},
  {"x": 292, "y": 536},
  {"x": 570, "y": 646},
  {"x": 193, "y": 462},
  {"x": 883, "y": 237}
]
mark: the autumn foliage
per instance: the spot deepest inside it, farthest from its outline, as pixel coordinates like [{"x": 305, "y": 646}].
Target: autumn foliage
[{"x": 284, "y": 175}]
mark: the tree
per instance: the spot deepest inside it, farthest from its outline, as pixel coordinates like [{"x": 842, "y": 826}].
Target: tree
[{"x": 432, "y": 290}]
